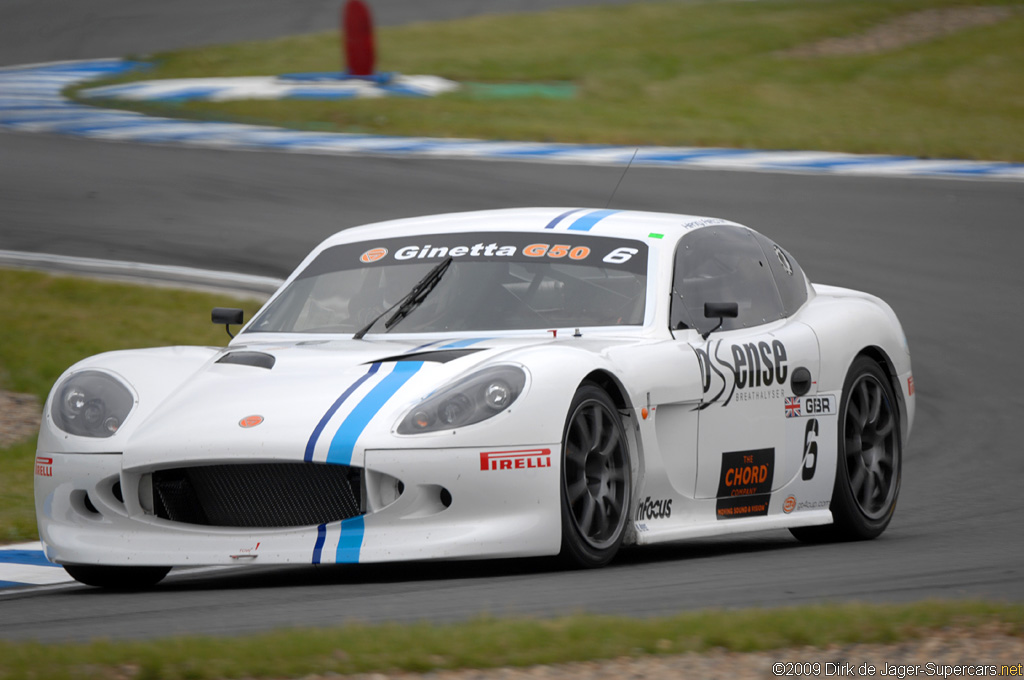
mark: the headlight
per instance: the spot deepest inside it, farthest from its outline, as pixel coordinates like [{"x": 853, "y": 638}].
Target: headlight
[
  {"x": 471, "y": 400},
  {"x": 91, "y": 404}
]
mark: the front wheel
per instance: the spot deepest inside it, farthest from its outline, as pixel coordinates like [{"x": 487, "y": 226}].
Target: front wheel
[
  {"x": 596, "y": 479},
  {"x": 117, "y": 578},
  {"x": 868, "y": 469}
]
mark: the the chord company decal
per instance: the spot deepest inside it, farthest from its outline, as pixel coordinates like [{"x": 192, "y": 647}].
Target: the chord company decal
[{"x": 744, "y": 488}]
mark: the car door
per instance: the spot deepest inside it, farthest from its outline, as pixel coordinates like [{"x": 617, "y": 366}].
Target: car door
[{"x": 748, "y": 364}]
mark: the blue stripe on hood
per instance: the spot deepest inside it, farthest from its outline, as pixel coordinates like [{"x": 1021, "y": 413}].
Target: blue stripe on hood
[
  {"x": 318, "y": 430},
  {"x": 344, "y": 441}
]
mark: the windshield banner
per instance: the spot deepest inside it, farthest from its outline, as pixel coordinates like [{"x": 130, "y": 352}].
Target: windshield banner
[{"x": 596, "y": 251}]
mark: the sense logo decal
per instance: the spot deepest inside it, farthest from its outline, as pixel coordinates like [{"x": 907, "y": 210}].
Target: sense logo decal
[
  {"x": 745, "y": 485},
  {"x": 528, "y": 459},
  {"x": 753, "y": 370}
]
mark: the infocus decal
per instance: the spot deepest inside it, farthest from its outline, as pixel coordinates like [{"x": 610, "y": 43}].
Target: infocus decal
[{"x": 654, "y": 509}]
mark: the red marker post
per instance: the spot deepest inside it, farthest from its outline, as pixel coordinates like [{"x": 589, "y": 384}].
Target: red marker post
[{"x": 357, "y": 29}]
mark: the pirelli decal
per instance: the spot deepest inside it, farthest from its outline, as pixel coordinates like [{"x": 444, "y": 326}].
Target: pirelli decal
[
  {"x": 745, "y": 485},
  {"x": 530, "y": 459}
]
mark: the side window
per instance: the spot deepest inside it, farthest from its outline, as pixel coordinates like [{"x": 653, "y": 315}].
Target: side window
[
  {"x": 722, "y": 264},
  {"x": 789, "y": 277}
]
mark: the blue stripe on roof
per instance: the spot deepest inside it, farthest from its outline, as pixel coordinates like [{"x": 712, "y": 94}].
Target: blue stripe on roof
[
  {"x": 344, "y": 440},
  {"x": 311, "y": 444},
  {"x": 351, "y": 541},
  {"x": 554, "y": 223},
  {"x": 11, "y": 584},
  {"x": 321, "y": 536},
  {"x": 462, "y": 343},
  {"x": 587, "y": 222},
  {"x": 30, "y": 557}
]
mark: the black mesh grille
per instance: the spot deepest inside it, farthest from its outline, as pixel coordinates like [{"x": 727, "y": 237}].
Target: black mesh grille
[{"x": 258, "y": 495}]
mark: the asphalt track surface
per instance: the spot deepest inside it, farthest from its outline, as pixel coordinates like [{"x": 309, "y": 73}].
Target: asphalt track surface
[{"x": 945, "y": 253}]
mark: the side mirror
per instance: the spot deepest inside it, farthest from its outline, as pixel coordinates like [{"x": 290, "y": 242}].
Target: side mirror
[
  {"x": 720, "y": 311},
  {"x": 227, "y": 316}
]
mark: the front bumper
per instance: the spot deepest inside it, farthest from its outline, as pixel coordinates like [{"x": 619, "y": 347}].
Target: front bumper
[{"x": 453, "y": 503}]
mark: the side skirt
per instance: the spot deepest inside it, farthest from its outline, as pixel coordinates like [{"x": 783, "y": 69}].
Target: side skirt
[{"x": 734, "y": 526}]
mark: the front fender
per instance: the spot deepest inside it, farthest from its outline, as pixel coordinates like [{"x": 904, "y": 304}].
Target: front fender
[{"x": 151, "y": 374}]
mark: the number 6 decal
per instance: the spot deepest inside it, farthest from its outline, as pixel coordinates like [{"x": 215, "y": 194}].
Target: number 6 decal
[
  {"x": 620, "y": 255},
  {"x": 810, "y": 449}
]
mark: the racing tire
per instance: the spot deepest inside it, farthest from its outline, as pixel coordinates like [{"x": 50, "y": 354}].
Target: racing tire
[
  {"x": 596, "y": 480},
  {"x": 117, "y": 578},
  {"x": 869, "y": 464}
]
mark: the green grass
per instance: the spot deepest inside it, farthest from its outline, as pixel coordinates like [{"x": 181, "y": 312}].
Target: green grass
[
  {"x": 17, "y": 505},
  {"x": 50, "y": 322},
  {"x": 705, "y": 73},
  {"x": 489, "y": 643}
]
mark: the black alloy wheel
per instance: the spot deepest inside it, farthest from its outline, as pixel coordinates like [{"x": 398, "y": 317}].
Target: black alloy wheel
[
  {"x": 596, "y": 479},
  {"x": 868, "y": 471}
]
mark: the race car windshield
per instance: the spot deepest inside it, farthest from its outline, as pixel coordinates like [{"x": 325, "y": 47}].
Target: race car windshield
[{"x": 496, "y": 281}]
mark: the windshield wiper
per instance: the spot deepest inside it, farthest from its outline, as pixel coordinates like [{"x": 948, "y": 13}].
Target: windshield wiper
[{"x": 411, "y": 301}]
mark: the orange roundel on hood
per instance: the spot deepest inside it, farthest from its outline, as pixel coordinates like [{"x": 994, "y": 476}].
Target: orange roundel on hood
[{"x": 250, "y": 421}]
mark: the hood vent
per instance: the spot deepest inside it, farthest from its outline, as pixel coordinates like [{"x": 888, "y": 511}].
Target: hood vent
[
  {"x": 257, "y": 359},
  {"x": 441, "y": 356}
]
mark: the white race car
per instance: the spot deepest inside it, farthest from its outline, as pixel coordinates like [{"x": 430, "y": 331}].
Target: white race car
[{"x": 502, "y": 383}]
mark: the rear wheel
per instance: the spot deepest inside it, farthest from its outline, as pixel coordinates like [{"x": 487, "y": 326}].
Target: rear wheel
[
  {"x": 870, "y": 458},
  {"x": 596, "y": 479},
  {"x": 117, "y": 578}
]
